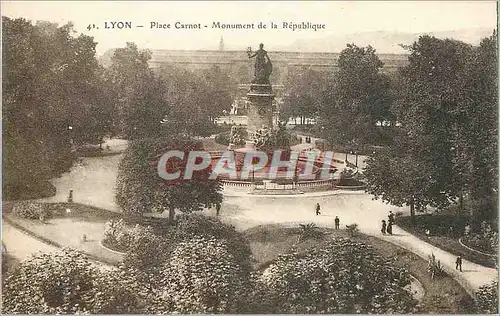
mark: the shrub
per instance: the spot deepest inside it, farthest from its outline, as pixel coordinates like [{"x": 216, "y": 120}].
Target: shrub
[
  {"x": 64, "y": 282},
  {"x": 116, "y": 235},
  {"x": 487, "y": 298},
  {"x": 146, "y": 250},
  {"x": 439, "y": 225},
  {"x": 434, "y": 267},
  {"x": 352, "y": 229},
  {"x": 238, "y": 135},
  {"x": 192, "y": 225},
  {"x": 341, "y": 277},
  {"x": 308, "y": 231},
  {"x": 31, "y": 210},
  {"x": 201, "y": 276},
  {"x": 486, "y": 240},
  {"x": 116, "y": 292},
  {"x": 223, "y": 138}
]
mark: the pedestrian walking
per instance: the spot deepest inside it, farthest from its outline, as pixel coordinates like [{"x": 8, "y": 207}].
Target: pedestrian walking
[
  {"x": 318, "y": 208},
  {"x": 337, "y": 222},
  {"x": 70, "y": 197},
  {"x": 458, "y": 263},
  {"x": 389, "y": 228},
  {"x": 217, "y": 209},
  {"x": 391, "y": 218},
  {"x": 384, "y": 227}
]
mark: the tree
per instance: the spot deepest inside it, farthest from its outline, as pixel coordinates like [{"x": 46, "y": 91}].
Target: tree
[
  {"x": 140, "y": 96},
  {"x": 439, "y": 152},
  {"x": 403, "y": 180},
  {"x": 50, "y": 79},
  {"x": 220, "y": 91},
  {"x": 476, "y": 141},
  {"x": 428, "y": 104},
  {"x": 141, "y": 190},
  {"x": 65, "y": 282},
  {"x": 357, "y": 98},
  {"x": 303, "y": 96},
  {"x": 195, "y": 99}
]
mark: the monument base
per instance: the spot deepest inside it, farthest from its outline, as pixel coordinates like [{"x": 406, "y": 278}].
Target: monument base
[{"x": 260, "y": 114}]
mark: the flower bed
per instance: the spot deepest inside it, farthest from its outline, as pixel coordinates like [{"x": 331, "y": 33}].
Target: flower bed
[
  {"x": 479, "y": 243},
  {"x": 442, "y": 237}
]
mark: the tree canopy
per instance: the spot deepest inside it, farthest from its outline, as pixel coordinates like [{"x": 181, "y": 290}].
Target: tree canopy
[
  {"x": 52, "y": 92},
  {"x": 141, "y": 190},
  {"x": 446, "y": 148}
]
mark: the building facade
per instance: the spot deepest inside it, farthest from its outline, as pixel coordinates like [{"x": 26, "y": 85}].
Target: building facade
[{"x": 237, "y": 63}]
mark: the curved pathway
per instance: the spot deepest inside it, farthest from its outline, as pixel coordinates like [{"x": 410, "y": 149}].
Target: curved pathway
[
  {"x": 351, "y": 207},
  {"x": 21, "y": 245}
]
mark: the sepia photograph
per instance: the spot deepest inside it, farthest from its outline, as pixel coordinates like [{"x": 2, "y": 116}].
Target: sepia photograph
[{"x": 249, "y": 157}]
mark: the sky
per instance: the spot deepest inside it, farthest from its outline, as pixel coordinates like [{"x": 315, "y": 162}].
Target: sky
[{"x": 339, "y": 18}]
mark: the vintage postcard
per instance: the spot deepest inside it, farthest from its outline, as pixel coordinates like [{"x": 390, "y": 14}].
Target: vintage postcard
[{"x": 249, "y": 157}]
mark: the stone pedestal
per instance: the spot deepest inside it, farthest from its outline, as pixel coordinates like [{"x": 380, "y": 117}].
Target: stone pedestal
[{"x": 260, "y": 111}]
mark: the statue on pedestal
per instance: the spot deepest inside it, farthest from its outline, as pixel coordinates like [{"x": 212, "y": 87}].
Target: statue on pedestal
[{"x": 263, "y": 65}]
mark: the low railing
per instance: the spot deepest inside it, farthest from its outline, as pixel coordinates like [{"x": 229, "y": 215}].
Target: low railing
[
  {"x": 275, "y": 186},
  {"x": 242, "y": 184},
  {"x": 316, "y": 183}
]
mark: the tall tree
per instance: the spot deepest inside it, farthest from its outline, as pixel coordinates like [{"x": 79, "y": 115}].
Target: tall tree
[
  {"x": 220, "y": 91},
  {"x": 141, "y": 190},
  {"x": 50, "y": 78},
  {"x": 140, "y": 95},
  {"x": 357, "y": 98},
  {"x": 303, "y": 96},
  {"x": 476, "y": 140},
  {"x": 447, "y": 109}
]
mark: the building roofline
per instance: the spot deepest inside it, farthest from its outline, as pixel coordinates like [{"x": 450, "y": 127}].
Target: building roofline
[{"x": 237, "y": 51}]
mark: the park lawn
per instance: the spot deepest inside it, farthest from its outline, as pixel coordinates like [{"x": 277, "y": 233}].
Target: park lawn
[
  {"x": 449, "y": 244},
  {"x": 67, "y": 229},
  {"x": 443, "y": 295}
]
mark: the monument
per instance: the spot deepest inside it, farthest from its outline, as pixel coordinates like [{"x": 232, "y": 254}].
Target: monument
[{"x": 260, "y": 94}]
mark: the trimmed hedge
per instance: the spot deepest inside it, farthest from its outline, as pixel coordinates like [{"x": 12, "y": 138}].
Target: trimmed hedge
[
  {"x": 437, "y": 224},
  {"x": 31, "y": 210},
  {"x": 487, "y": 299},
  {"x": 28, "y": 191}
]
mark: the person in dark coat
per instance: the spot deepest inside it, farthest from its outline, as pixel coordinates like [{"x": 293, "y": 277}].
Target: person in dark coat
[
  {"x": 458, "y": 263},
  {"x": 389, "y": 228},
  {"x": 70, "y": 197},
  {"x": 391, "y": 218},
  {"x": 384, "y": 227},
  {"x": 217, "y": 209},
  {"x": 337, "y": 222},
  {"x": 318, "y": 208}
]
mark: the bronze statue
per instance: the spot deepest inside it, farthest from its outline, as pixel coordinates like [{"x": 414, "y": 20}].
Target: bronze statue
[{"x": 263, "y": 66}]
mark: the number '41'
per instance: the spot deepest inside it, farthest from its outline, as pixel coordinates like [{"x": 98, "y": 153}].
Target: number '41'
[{"x": 90, "y": 26}]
